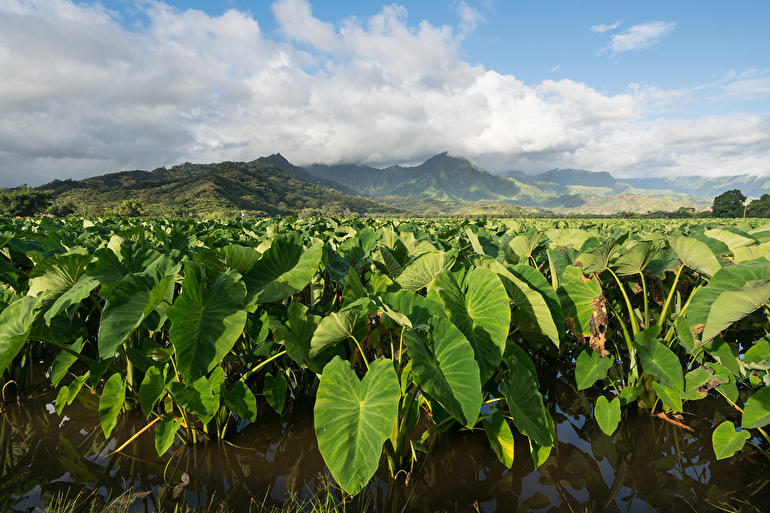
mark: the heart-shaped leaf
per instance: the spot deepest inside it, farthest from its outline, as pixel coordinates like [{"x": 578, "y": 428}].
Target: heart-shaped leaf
[{"x": 354, "y": 418}]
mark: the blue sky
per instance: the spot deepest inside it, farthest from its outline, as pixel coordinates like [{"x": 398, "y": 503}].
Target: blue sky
[{"x": 635, "y": 88}]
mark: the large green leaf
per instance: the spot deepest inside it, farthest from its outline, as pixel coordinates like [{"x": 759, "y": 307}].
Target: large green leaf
[
  {"x": 500, "y": 438},
  {"x": 732, "y": 293},
  {"x": 15, "y": 325},
  {"x": 197, "y": 398},
  {"x": 533, "y": 297},
  {"x": 296, "y": 336},
  {"x": 61, "y": 281},
  {"x": 756, "y": 412},
  {"x": 607, "y": 414},
  {"x": 206, "y": 322},
  {"x": 152, "y": 388},
  {"x": 567, "y": 237},
  {"x": 480, "y": 311},
  {"x": 111, "y": 402},
  {"x": 167, "y": 429},
  {"x": 335, "y": 328},
  {"x": 634, "y": 259},
  {"x": 420, "y": 272},
  {"x": 658, "y": 360},
  {"x": 590, "y": 367},
  {"x": 446, "y": 369},
  {"x": 523, "y": 246},
  {"x": 597, "y": 260},
  {"x": 64, "y": 361},
  {"x": 233, "y": 256},
  {"x": 576, "y": 296},
  {"x": 284, "y": 269},
  {"x": 727, "y": 441},
  {"x": 123, "y": 312},
  {"x": 526, "y": 404},
  {"x": 241, "y": 401},
  {"x": 354, "y": 418},
  {"x": 695, "y": 254}
]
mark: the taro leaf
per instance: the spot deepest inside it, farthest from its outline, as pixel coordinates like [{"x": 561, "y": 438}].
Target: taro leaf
[
  {"x": 513, "y": 349},
  {"x": 733, "y": 238},
  {"x": 634, "y": 259},
  {"x": 64, "y": 361},
  {"x": 696, "y": 384},
  {"x": 335, "y": 328},
  {"x": 12, "y": 276},
  {"x": 241, "y": 401},
  {"x": 727, "y": 441},
  {"x": 756, "y": 412},
  {"x": 415, "y": 246},
  {"x": 122, "y": 314},
  {"x": 420, "y": 272},
  {"x": 110, "y": 403},
  {"x": 597, "y": 260},
  {"x": 446, "y": 369},
  {"x": 57, "y": 274},
  {"x": 534, "y": 300},
  {"x": 670, "y": 398},
  {"x": 15, "y": 325},
  {"x": 607, "y": 414},
  {"x": 357, "y": 249},
  {"x": 77, "y": 293},
  {"x": 539, "y": 454},
  {"x": 747, "y": 284},
  {"x": 164, "y": 437},
  {"x": 284, "y": 269},
  {"x": 354, "y": 418},
  {"x": 480, "y": 310},
  {"x": 484, "y": 244},
  {"x": 723, "y": 353},
  {"x": 275, "y": 391},
  {"x": 68, "y": 394},
  {"x": 206, "y": 322},
  {"x": 296, "y": 337},
  {"x": 751, "y": 252},
  {"x": 734, "y": 305},
  {"x": 695, "y": 254},
  {"x": 500, "y": 438},
  {"x": 233, "y": 256},
  {"x": 337, "y": 267},
  {"x": 657, "y": 359},
  {"x": 526, "y": 404},
  {"x": 387, "y": 262},
  {"x": 664, "y": 260},
  {"x": 567, "y": 237},
  {"x": 409, "y": 309},
  {"x": 577, "y": 296},
  {"x": 354, "y": 289},
  {"x": 197, "y": 398},
  {"x": 591, "y": 367},
  {"x": 152, "y": 388},
  {"x": 524, "y": 245},
  {"x": 558, "y": 262}
]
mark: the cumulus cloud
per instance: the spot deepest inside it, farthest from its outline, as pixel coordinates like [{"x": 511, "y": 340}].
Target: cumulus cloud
[
  {"x": 470, "y": 17},
  {"x": 81, "y": 95},
  {"x": 605, "y": 28},
  {"x": 638, "y": 37}
]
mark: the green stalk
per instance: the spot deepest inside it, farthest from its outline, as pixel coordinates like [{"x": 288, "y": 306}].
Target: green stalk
[
  {"x": 634, "y": 323},
  {"x": 646, "y": 302},
  {"x": 667, "y": 304},
  {"x": 250, "y": 372},
  {"x": 360, "y": 349}
]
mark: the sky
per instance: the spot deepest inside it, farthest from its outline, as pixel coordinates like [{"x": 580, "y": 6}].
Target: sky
[{"x": 653, "y": 88}]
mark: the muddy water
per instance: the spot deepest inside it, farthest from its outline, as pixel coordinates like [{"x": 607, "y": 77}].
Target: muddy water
[{"x": 648, "y": 463}]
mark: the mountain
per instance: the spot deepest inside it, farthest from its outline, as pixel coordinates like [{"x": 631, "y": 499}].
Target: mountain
[
  {"x": 447, "y": 178},
  {"x": 567, "y": 177},
  {"x": 216, "y": 189},
  {"x": 278, "y": 160},
  {"x": 751, "y": 186}
]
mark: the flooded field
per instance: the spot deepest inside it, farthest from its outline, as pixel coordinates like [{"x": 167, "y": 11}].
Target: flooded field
[{"x": 648, "y": 464}]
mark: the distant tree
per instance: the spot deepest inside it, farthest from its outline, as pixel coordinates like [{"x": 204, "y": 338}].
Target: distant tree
[
  {"x": 23, "y": 201},
  {"x": 728, "y": 204},
  {"x": 759, "y": 207},
  {"x": 130, "y": 208}
]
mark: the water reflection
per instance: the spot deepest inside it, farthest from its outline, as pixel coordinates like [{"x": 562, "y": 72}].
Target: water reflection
[{"x": 648, "y": 463}]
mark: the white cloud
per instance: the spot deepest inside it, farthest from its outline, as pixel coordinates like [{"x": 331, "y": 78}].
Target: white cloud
[
  {"x": 605, "y": 28},
  {"x": 80, "y": 95},
  {"x": 638, "y": 37},
  {"x": 469, "y": 17},
  {"x": 555, "y": 68}
]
